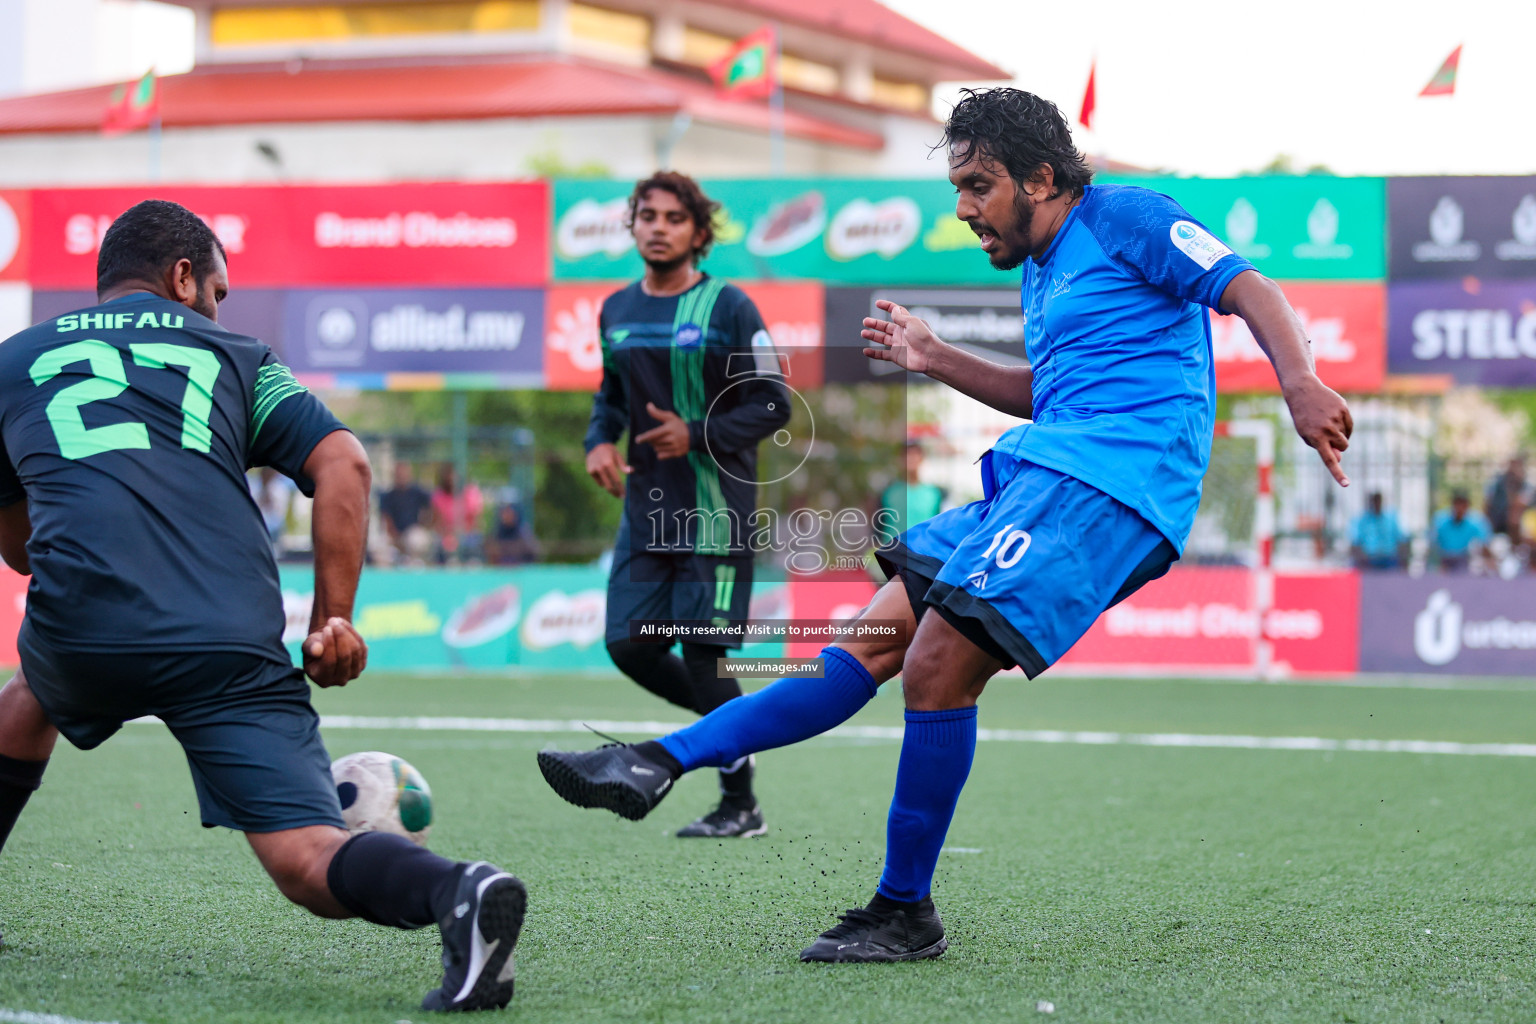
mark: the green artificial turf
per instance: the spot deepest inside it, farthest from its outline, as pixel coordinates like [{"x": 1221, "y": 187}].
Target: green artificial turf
[{"x": 1118, "y": 883}]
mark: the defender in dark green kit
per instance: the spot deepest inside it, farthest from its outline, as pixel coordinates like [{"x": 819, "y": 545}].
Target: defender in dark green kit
[
  {"x": 690, "y": 372},
  {"x": 125, "y": 434}
]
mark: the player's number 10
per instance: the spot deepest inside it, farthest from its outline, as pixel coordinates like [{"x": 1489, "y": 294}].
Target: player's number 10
[{"x": 110, "y": 379}]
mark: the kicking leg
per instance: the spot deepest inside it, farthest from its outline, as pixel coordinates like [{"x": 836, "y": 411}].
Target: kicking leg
[
  {"x": 632, "y": 779},
  {"x": 389, "y": 880},
  {"x": 943, "y": 675},
  {"x": 26, "y": 742}
]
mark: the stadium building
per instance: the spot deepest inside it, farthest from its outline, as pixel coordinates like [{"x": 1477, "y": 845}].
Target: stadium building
[{"x": 361, "y": 90}]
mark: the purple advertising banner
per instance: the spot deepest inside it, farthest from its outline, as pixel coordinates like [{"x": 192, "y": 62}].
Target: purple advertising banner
[
  {"x": 1458, "y": 625},
  {"x": 254, "y": 312},
  {"x": 1481, "y": 332},
  {"x": 1447, "y": 228},
  {"x": 369, "y": 331}
]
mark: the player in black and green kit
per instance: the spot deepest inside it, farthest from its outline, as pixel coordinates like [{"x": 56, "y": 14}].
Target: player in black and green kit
[
  {"x": 690, "y": 372},
  {"x": 126, "y": 431}
]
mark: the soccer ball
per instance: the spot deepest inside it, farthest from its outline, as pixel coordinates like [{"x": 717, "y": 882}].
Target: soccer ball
[{"x": 382, "y": 793}]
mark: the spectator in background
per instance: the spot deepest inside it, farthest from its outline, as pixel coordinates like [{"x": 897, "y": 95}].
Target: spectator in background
[
  {"x": 509, "y": 540},
  {"x": 404, "y": 509},
  {"x": 908, "y": 501},
  {"x": 1508, "y": 496},
  {"x": 1459, "y": 535},
  {"x": 456, "y": 514},
  {"x": 273, "y": 493},
  {"x": 1376, "y": 541}
]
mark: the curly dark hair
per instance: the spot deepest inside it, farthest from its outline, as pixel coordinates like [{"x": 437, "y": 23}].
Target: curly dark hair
[
  {"x": 1019, "y": 130},
  {"x": 150, "y": 237},
  {"x": 699, "y": 206}
]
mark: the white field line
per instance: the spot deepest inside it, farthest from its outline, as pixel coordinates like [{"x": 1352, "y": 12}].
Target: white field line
[
  {"x": 28, "y": 1017},
  {"x": 894, "y": 733}
]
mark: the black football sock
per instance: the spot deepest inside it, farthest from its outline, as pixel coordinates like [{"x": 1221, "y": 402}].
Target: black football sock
[
  {"x": 656, "y": 668},
  {"x": 709, "y": 692},
  {"x": 389, "y": 880},
  {"x": 18, "y": 781},
  {"x": 736, "y": 783}
]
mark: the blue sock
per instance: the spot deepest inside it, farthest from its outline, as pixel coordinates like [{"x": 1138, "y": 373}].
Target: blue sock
[
  {"x": 779, "y": 714},
  {"x": 936, "y": 755}
]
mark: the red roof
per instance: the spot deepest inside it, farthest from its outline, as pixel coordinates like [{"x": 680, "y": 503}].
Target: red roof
[
  {"x": 871, "y": 22},
  {"x": 412, "y": 91}
]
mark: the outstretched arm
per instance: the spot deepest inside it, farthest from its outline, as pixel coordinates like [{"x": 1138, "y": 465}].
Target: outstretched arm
[
  {"x": 1321, "y": 416},
  {"x": 910, "y": 343},
  {"x": 334, "y": 653}
]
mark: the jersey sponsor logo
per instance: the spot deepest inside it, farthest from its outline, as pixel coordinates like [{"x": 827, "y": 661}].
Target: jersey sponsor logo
[
  {"x": 1063, "y": 283},
  {"x": 118, "y": 321},
  {"x": 1197, "y": 243},
  {"x": 688, "y": 336}
]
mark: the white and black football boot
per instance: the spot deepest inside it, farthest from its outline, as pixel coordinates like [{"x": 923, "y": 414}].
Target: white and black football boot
[
  {"x": 615, "y": 777},
  {"x": 479, "y": 933},
  {"x": 730, "y": 820}
]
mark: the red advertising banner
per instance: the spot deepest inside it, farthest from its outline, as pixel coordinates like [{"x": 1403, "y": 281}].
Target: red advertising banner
[
  {"x": 308, "y": 236},
  {"x": 13, "y": 605},
  {"x": 15, "y": 234},
  {"x": 1205, "y": 619},
  {"x": 573, "y": 353},
  {"x": 833, "y": 597},
  {"x": 573, "y": 358},
  {"x": 1348, "y": 327}
]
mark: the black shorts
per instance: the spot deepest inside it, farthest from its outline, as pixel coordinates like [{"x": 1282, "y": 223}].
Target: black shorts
[
  {"x": 251, "y": 736},
  {"x": 660, "y": 587}
]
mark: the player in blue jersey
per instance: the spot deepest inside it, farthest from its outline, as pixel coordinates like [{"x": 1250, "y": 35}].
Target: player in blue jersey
[
  {"x": 126, "y": 431},
  {"x": 1081, "y": 507}
]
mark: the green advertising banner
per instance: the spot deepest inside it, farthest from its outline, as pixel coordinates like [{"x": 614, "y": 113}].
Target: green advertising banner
[
  {"x": 535, "y": 617},
  {"x": 877, "y": 232},
  {"x": 489, "y": 618},
  {"x": 1313, "y": 227},
  {"x": 903, "y": 232}
]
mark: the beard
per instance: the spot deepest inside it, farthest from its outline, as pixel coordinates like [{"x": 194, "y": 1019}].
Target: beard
[
  {"x": 1009, "y": 256},
  {"x": 668, "y": 266}
]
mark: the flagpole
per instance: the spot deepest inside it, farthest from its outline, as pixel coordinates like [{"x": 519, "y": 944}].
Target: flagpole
[
  {"x": 776, "y": 109},
  {"x": 154, "y": 148}
]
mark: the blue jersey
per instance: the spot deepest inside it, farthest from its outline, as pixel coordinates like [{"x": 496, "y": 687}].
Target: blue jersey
[
  {"x": 1120, "y": 342},
  {"x": 128, "y": 428}
]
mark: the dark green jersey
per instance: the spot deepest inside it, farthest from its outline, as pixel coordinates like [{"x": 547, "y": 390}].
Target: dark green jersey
[
  {"x": 128, "y": 428},
  {"x": 705, "y": 355}
]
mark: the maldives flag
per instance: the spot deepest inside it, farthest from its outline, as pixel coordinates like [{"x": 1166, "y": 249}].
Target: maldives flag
[
  {"x": 748, "y": 69},
  {"x": 132, "y": 106},
  {"x": 1444, "y": 82},
  {"x": 1085, "y": 116}
]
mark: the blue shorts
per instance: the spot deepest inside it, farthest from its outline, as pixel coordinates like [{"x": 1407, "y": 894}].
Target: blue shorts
[
  {"x": 1026, "y": 570},
  {"x": 245, "y": 723}
]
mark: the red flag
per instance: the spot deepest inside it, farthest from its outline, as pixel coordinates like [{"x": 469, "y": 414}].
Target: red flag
[
  {"x": 1444, "y": 82},
  {"x": 1085, "y": 116},
  {"x": 132, "y": 106},
  {"x": 750, "y": 68}
]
